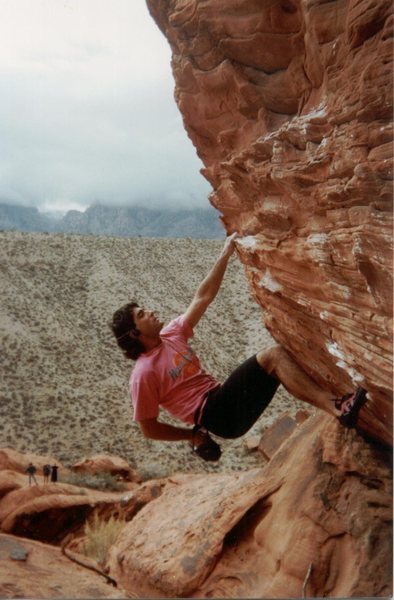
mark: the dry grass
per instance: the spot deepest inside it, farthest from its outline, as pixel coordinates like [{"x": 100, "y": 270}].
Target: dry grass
[{"x": 100, "y": 535}]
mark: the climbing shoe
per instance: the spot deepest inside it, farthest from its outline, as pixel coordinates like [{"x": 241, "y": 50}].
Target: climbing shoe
[{"x": 350, "y": 405}]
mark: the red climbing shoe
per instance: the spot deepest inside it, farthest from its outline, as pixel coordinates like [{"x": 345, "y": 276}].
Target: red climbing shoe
[{"x": 350, "y": 405}]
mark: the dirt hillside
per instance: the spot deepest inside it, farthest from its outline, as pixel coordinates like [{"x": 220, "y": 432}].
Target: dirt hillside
[{"x": 64, "y": 388}]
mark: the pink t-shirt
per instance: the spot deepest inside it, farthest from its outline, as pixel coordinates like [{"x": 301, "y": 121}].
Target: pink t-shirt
[{"x": 170, "y": 376}]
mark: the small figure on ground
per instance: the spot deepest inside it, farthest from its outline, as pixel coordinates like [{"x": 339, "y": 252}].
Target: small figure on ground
[
  {"x": 31, "y": 472},
  {"x": 168, "y": 375},
  {"x": 54, "y": 473},
  {"x": 46, "y": 470}
]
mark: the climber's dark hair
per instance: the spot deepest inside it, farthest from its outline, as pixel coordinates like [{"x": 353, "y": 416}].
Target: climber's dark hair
[{"x": 125, "y": 331}]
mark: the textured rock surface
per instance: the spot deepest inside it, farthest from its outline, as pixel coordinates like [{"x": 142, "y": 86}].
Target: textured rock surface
[
  {"x": 51, "y": 512},
  {"x": 105, "y": 463},
  {"x": 273, "y": 437},
  {"x": 10, "y": 480},
  {"x": 48, "y": 513},
  {"x": 33, "y": 570},
  {"x": 325, "y": 499},
  {"x": 256, "y": 534},
  {"x": 289, "y": 104},
  {"x": 17, "y": 461}
]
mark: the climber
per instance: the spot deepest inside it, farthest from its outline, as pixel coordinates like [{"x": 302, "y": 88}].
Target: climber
[{"x": 168, "y": 374}]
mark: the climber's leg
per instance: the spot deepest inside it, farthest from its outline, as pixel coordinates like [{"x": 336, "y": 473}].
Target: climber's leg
[
  {"x": 280, "y": 364},
  {"x": 231, "y": 409}
]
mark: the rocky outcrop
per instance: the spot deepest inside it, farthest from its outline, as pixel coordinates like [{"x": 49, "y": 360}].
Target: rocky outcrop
[
  {"x": 17, "y": 461},
  {"x": 55, "y": 511},
  {"x": 105, "y": 463},
  {"x": 33, "y": 570},
  {"x": 49, "y": 513},
  {"x": 317, "y": 520},
  {"x": 289, "y": 104},
  {"x": 9, "y": 481},
  {"x": 276, "y": 532}
]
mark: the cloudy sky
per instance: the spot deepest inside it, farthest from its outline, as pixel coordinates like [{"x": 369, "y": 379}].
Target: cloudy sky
[{"x": 86, "y": 108}]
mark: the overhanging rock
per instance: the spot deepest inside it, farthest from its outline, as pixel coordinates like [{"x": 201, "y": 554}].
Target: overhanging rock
[{"x": 289, "y": 105}]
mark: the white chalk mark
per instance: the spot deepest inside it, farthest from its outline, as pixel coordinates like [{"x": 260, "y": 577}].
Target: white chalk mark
[
  {"x": 249, "y": 241},
  {"x": 342, "y": 363},
  {"x": 267, "y": 281}
]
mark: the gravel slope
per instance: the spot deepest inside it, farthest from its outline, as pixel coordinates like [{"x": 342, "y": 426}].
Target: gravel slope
[{"x": 64, "y": 381}]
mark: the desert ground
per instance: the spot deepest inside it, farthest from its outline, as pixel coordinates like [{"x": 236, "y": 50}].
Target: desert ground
[{"x": 64, "y": 384}]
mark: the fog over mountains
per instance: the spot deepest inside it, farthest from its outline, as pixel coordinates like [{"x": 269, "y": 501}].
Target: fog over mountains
[{"x": 127, "y": 221}]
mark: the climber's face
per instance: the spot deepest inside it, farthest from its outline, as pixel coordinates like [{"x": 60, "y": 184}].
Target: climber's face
[{"x": 146, "y": 322}]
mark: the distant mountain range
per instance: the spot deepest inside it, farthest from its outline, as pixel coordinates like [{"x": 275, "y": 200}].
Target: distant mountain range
[{"x": 131, "y": 221}]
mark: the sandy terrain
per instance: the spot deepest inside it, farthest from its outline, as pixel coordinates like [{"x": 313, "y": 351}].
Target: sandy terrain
[{"x": 64, "y": 384}]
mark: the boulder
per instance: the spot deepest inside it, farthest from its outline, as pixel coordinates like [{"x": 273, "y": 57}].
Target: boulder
[
  {"x": 10, "y": 480},
  {"x": 289, "y": 105},
  {"x": 49, "y": 513},
  {"x": 301, "y": 416},
  {"x": 315, "y": 520},
  {"x": 14, "y": 460},
  {"x": 273, "y": 437},
  {"x": 105, "y": 463},
  {"x": 252, "y": 442},
  {"x": 31, "y": 569}
]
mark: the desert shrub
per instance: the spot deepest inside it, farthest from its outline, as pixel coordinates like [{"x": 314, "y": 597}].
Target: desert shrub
[
  {"x": 100, "y": 535},
  {"x": 100, "y": 481},
  {"x": 153, "y": 471}
]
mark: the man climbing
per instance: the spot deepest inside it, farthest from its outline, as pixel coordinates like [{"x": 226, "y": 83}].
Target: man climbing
[{"x": 168, "y": 375}]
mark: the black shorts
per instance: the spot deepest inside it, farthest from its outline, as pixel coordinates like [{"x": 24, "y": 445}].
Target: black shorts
[{"x": 232, "y": 409}]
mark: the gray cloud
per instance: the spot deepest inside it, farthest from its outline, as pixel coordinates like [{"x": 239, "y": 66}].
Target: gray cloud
[{"x": 87, "y": 111}]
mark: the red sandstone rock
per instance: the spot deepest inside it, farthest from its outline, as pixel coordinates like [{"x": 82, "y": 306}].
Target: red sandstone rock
[
  {"x": 51, "y": 512},
  {"x": 33, "y": 570},
  {"x": 48, "y": 513},
  {"x": 176, "y": 558},
  {"x": 104, "y": 463},
  {"x": 273, "y": 437},
  {"x": 16, "y": 461},
  {"x": 289, "y": 105},
  {"x": 302, "y": 416},
  {"x": 324, "y": 499},
  {"x": 252, "y": 442},
  {"x": 130, "y": 503},
  {"x": 10, "y": 480}
]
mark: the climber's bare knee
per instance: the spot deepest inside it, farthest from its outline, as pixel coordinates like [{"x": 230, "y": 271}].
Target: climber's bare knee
[{"x": 270, "y": 359}]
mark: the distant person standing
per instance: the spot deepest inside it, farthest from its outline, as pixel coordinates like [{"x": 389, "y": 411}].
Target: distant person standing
[
  {"x": 54, "y": 473},
  {"x": 46, "y": 470},
  {"x": 31, "y": 471}
]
